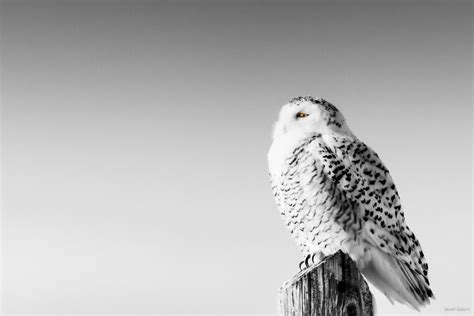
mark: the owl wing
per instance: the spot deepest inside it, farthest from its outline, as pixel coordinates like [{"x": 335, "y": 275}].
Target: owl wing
[{"x": 358, "y": 171}]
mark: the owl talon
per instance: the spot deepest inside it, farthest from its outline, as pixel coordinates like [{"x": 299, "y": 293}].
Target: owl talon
[
  {"x": 306, "y": 261},
  {"x": 317, "y": 257},
  {"x": 301, "y": 265},
  {"x": 312, "y": 258}
]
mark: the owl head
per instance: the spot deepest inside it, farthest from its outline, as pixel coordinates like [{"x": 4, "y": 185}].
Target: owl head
[{"x": 308, "y": 115}]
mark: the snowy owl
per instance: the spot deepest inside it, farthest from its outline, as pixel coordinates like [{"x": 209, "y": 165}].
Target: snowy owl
[{"x": 334, "y": 193}]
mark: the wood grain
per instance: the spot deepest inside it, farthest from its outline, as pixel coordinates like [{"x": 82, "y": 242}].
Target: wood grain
[{"x": 333, "y": 287}]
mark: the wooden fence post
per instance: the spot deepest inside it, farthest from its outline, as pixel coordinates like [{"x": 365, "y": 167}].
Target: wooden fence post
[{"x": 333, "y": 287}]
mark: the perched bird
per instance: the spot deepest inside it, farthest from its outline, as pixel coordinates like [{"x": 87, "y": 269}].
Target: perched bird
[{"x": 334, "y": 193}]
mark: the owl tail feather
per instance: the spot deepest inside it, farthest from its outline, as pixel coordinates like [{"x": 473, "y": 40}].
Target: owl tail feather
[{"x": 396, "y": 280}]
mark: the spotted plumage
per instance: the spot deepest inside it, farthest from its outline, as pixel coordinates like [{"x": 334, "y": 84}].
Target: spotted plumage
[{"x": 334, "y": 193}]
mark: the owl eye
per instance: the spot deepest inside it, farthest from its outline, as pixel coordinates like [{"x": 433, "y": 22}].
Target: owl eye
[{"x": 301, "y": 115}]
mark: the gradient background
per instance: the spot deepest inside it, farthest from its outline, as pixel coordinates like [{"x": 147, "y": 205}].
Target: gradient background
[{"x": 135, "y": 137}]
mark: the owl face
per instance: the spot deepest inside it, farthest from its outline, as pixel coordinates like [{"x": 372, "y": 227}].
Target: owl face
[
  {"x": 307, "y": 115},
  {"x": 301, "y": 118}
]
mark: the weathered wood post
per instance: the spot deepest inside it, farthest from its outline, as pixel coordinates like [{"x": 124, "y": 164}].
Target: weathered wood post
[{"x": 333, "y": 287}]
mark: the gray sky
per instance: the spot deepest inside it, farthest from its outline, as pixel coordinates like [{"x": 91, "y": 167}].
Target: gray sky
[{"x": 135, "y": 139}]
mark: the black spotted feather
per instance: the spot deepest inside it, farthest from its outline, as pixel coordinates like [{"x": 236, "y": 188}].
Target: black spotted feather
[{"x": 358, "y": 171}]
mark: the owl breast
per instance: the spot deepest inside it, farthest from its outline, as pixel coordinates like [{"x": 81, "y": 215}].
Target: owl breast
[{"x": 312, "y": 207}]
